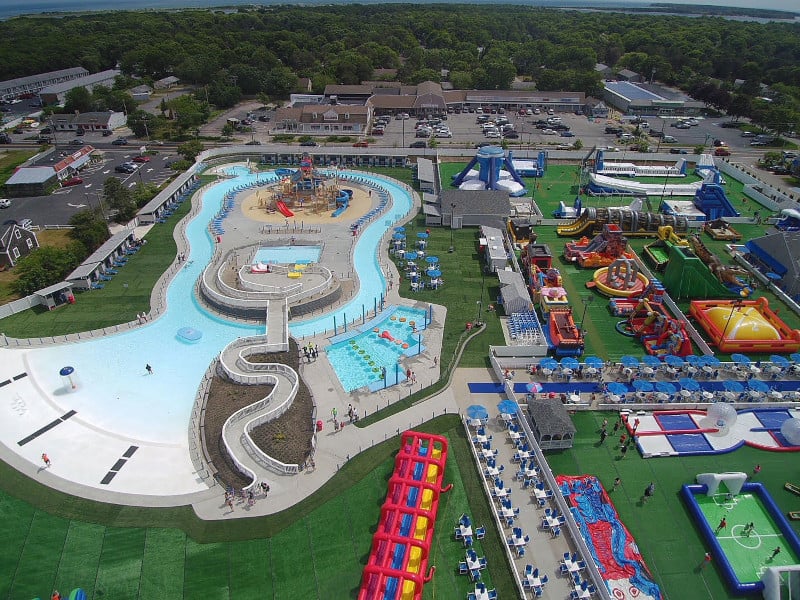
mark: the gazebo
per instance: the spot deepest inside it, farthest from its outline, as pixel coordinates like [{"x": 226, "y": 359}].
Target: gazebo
[{"x": 551, "y": 424}]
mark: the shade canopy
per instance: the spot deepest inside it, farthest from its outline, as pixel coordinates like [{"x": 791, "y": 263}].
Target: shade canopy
[
  {"x": 66, "y": 371},
  {"x": 548, "y": 363},
  {"x": 711, "y": 361},
  {"x": 618, "y": 389},
  {"x": 741, "y": 359},
  {"x": 594, "y": 362},
  {"x": 666, "y": 387},
  {"x": 507, "y": 406},
  {"x": 757, "y": 385},
  {"x": 399, "y": 236},
  {"x": 410, "y": 255},
  {"x": 692, "y": 359},
  {"x": 673, "y": 361},
  {"x": 476, "y": 411},
  {"x": 422, "y": 235},
  {"x": 400, "y": 229},
  {"x": 570, "y": 362},
  {"x": 651, "y": 361},
  {"x": 731, "y": 385},
  {"x": 688, "y": 383},
  {"x": 434, "y": 272},
  {"x": 629, "y": 361},
  {"x": 640, "y": 385},
  {"x": 432, "y": 260},
  {"x": 779, "y": 360}
]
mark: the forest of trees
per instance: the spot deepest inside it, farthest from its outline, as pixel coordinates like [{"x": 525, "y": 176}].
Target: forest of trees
[{"x": 262, "y": 51}]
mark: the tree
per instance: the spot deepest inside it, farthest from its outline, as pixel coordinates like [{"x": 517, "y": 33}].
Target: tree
[
  {"x": 89, "y": 228},
  {"x": 78, "y": 99},
  {"x": 120, "y": 199},
  {"x": 188, "y": 112},
  {"x": 45, "y": 266},
  {"x": 189, "y": 150}
]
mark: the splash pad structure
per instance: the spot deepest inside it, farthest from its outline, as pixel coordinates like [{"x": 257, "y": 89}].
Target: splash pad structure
[
  {"x": 746, "y": 326},
  {"x": 495, "y": 172}
]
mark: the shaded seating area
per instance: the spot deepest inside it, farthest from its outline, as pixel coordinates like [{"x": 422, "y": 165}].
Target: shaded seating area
[
  {"x": 551, "y": 425},
  {"x": 99, "y": 266}
]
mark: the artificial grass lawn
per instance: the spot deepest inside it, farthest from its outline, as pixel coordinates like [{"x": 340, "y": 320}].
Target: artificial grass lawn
[
  {"x": 667, "y": 537},
  {"x": 317, "y": 549}
]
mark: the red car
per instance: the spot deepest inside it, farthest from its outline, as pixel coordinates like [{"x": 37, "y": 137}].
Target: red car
[
  {"x": 71, "y": 181},
  {"x": 141, "y": 159},
  {"x": 361, "y": 144},
  {"x": 721, "y": 151}
]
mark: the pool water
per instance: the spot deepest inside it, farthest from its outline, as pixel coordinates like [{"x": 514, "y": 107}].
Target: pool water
[
  {"x": 288, "y": 254},
  {"x": 357, "y": 361},
  {"x": 118, "y": 395}
]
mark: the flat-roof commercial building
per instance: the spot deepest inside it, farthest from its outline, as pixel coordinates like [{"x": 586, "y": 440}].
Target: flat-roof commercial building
[
  {"x": 636, "y": 99},
  {"x": 32, "y": 84},
  {"x": 54, "y": 94}
]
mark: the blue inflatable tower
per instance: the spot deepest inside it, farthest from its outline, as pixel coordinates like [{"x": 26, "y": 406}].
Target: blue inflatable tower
[{"x": 489, "y": 161}]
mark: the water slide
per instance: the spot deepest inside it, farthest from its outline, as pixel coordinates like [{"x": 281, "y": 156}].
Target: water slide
[
  {"x": 342, "y": 202},
  {"x": 711, "y": 199},
  {"x": 283, "y": 209},
  {"x": 602, "y": 185},
  {"x": 397, "y": 567}
]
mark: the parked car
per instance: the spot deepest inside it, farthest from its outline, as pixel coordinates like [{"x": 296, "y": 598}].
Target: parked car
[
  {"x": 120, "y": 142},
  {"x": 5, "y": 203},
  {"x": 613, "y": 130},
  {"x": 758, "y": 143},
  {"x": 678, "y": 151},
  {"x": 730, "y": 125},
  {"x": 483, "y": 144},
  {"x": 668, "y": 139},
  {"x": 748, "y": 134},
  {"x": 250, "y": 143},
  {"x": 77, "y": 142},
  {"x": 718, "y": 143},
  {"x": 308, "y": 143},
  {"x": 722, "y": 152},
  {"x": 72, "y": 181},
  {"x": 511, "y": 135},
  {"x": 418, "y": 145},
  {"x": 361, "y": 144},
  {"x": 124, "y": 168},
  {"x": 107, "y": 133},
  {"x": 549, "y": 131},
  {"x": 567, "y": 134},
  {"x": 145, "y": 159}
]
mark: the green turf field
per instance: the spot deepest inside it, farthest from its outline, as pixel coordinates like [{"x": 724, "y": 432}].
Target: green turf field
[
  {"x": 748, "y": 553},
  {"x": 319, "y": 554}
]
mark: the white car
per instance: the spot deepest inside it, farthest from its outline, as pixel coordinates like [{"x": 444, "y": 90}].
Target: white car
[
  {"x": 443, "y": 134},
  {"x": 493, "y": 133},
  {"x": 5, "y": 202},
  {"x": 549, "y": 132}
]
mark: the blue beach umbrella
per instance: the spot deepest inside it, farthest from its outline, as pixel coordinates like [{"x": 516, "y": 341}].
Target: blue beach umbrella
[
  {"x": 740, "y": 359},
  {"x": 729, "y": 385},
  {"x": 795, "y": 357},
  {"x": 710, "y": 361},
  {"x": 758, "y": 386},
  {"x": 665, "y": 387},
  {"x": 432, "y": 260},
  {"x": 570, "y": 362},
  {"x": 674, "y": 361},
  {"x": 651, "y": 361},
  {"x": 400, "y": 229},
  {"x": 434, "y": 272},
  {"x": 618, "y": 389},
  {"x": 399, "y": 236},
  {"x": 593, "y": 361},
  {"x": 781, "y": 361},
  {"x": 422, "y": 235},
  {"x": 693, "y": 360},
  {"x": 629, "y": 361},
  {"x": 548, "y": 363},
  {"x": 476, "y": 411},
  {"x": 507, "y": 406},
  {"x": 412, "y": 255},
  {"x": 688, "y": 383},
  {"x": 640, "y": 385}
]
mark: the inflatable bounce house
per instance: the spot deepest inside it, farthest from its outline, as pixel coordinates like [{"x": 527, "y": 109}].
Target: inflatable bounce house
[
  {"x": 495, "y": 172},
  {"x": 747, "y": 326}
]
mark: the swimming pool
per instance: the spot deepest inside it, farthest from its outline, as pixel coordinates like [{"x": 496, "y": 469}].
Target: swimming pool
[
  {"x": 288, "y": 254},
  {"x": 117, "y": 395},
  {"x": 359, "y": 358}
]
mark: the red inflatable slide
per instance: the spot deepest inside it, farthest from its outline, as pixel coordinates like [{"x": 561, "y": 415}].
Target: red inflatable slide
[
  {"x": 283, "y": 209},
  {"x": 398, "y": 563}
]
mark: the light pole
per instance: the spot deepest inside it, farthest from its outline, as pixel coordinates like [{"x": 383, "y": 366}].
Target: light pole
[
  {"x": 452, "y": 216},
  {"x": 587, "y": 300}
]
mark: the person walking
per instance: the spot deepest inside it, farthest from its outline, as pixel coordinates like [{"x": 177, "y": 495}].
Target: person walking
[
  {"x": 623, "y": 450},
  {"x": 617, "y": 483},
  {"x": 775, "y": 553},
  {"x": 748, "y": 529},
  {"x": 723, "y": 524},
  {"x": 648, "y": 492},
  {"x": 149, "y": 369},
  {"x": 230, "y": 504},
  {"x": 756, "y": 470},
  {"x": 706, "y": 560},
  {"x": 603, "y": 436},
  {"x": 46, "y": 460}
]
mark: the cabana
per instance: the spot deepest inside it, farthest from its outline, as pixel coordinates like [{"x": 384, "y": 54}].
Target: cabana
[{"x": 551, "y": 425}]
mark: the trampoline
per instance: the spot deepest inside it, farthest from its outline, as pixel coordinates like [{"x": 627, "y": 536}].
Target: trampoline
[
  {"x": 690, "y": 443},
  {"x": 675, "y": 422}
]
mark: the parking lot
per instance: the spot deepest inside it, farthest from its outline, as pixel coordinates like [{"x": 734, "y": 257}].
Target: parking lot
[{"x": 58, "y": 207}]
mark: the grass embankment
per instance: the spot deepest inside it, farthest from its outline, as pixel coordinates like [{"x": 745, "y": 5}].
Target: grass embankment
[
  {"x": 118, "y": 302},
  {"x": 316, "y": 549}
]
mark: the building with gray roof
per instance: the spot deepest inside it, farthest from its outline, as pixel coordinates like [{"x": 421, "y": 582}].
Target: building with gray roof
[
  {"x": 31, "y": 84},
  {"x": 54, "y": 94},
  {"x": 551, "y": 424}
]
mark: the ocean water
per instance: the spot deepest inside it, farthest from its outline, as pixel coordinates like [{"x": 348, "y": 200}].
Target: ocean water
[{"x": 12, "y": 8}]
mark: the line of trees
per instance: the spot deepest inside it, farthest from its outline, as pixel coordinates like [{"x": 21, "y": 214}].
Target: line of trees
[{"x": 261, "y": 52}]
